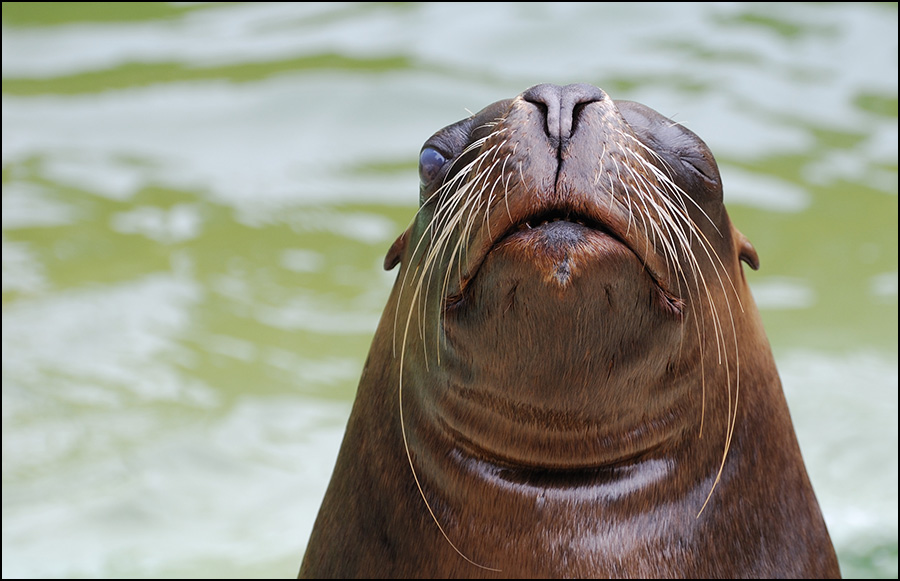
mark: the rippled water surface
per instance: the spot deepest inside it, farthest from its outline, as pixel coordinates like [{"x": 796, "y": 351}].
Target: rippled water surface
[{"x": 197, "y": 199}]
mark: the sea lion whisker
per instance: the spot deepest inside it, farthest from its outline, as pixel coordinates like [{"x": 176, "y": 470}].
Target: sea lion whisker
[
  {"x": 442, "y": 223},
  {"x": 709, "y": 250},
  {"x": 648, "y": 197},
  {"x": 444, "y": 216},
  {"x": 627, "y": 195},
  {"x": 461, "y": 201},
  {"x": 672, "y": 220},
  {"x": 680, "y": 193},
  {"x": 439, "y": 249},
  {"x": 401, "y": 289},
  {"x": 494, "y": 183},
  {"x": 506, "y": 187},
  {"x": 667, "y": 219},
  {"x": 599, "y": 170},
  {"x": 643, "y": 147},
  {"x": 681, "y": 212},
  {"x": 733, "y": 410},
  {"x": 481, "y": 176},
  {"x": 464, "y": 216},
  {"x": 675, "y": 190},
  {"x": 731, "y": 405},
  {"x": 646, "y": 191},
  {"x": 408, "y": 451}
]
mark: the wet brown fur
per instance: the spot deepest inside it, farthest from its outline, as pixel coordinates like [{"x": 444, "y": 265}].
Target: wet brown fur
[{"x": 570, "y": 378}]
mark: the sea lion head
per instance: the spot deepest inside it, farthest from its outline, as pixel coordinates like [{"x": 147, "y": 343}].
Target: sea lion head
[
  {"x": 570, "y": 265},
  {"x": 570, "y": 371}
]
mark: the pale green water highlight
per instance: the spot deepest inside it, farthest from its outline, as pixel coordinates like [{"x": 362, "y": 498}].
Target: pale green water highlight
[{"x": 197, "y": 199}]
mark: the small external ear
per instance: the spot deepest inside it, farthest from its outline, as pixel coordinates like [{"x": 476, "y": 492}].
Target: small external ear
[
  {"x": 747, "y": 252},
  {"x": 396, "y": 250}
]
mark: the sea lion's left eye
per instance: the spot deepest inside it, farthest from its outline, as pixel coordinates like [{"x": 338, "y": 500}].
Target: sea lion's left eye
[
  {"x": 431, "y": 162},
  {"x": 702, "y": 164}
]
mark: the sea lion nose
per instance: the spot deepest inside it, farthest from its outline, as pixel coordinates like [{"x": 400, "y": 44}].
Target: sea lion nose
[{"x": 560, "y": 103}]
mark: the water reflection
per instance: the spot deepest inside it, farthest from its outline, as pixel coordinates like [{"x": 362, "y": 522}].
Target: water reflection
[{"x": 197, "y": 200}]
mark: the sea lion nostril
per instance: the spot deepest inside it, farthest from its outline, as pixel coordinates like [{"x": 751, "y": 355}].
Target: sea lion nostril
[{"x": 562, "y": 105}]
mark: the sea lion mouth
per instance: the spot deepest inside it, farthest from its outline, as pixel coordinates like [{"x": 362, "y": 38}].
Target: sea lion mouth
[
  {"x": 556, "y": 216},
  {"x": 565, "y": 229}
]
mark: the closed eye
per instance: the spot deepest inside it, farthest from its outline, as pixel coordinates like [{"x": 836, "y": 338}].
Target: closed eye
[{"x": 701, "y": 166}]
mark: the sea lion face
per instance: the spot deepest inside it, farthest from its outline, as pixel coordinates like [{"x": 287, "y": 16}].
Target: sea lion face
[{"x": 570, "y": 260}]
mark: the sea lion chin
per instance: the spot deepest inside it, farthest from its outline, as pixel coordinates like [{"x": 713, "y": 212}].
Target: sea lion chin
[{"x": 570, "y": 377}]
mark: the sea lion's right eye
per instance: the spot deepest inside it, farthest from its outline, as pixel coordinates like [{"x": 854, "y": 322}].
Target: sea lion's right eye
[{"x": 431, "y": 162}]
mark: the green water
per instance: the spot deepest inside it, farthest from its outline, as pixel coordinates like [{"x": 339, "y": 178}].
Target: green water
[{"x": 197, "y": 199}]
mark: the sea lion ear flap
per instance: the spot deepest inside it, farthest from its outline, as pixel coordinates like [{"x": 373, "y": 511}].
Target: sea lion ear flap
[
  {"x": 747, "y": 252},
  {"x": 396, "y": 250}
]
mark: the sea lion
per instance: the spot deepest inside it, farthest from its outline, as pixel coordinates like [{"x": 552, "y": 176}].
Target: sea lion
[{"x": 570, "y": 378}]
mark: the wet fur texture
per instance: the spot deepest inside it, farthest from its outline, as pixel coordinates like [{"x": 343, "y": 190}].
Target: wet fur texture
[{"x": 570, "y": 378}]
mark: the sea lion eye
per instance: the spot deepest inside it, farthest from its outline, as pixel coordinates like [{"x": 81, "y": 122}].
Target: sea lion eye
[
  {"x": 701, "y": 164},
  {"x": 431, "y": 162}
]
